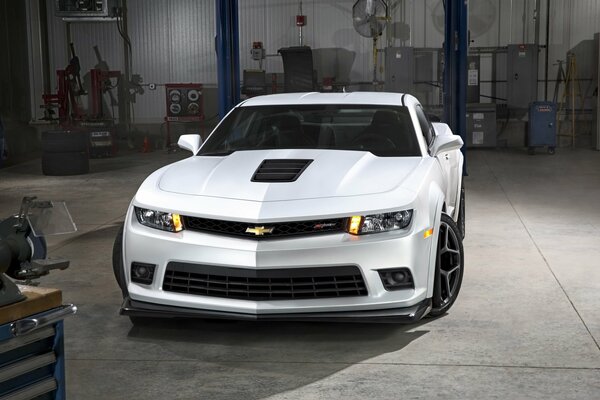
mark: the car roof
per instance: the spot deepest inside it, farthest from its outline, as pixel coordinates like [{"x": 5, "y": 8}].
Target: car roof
[{"x": 374, "y": 98}]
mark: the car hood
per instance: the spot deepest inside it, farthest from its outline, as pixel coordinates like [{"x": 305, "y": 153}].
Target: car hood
[{"x": 332, "y": 173}]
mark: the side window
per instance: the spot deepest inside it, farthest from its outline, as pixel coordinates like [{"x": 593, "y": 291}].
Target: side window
[{"x": 426, "y": 127}]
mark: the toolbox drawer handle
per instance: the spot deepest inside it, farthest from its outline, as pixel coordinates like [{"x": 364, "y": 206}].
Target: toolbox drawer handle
[{"x": 27, "y": 325}]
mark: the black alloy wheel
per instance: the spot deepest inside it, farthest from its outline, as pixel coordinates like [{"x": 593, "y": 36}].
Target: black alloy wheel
[{"x": 449, "y": 267}]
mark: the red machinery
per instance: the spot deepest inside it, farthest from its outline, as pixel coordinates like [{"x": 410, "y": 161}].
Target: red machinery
[
  {"x": 71, "y": 116},
  {"x": 185, "y": 103}
]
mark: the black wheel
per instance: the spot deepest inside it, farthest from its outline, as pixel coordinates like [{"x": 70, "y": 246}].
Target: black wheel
[
  {"x": 531, "y": 151},
  {"x": 117, "y": 261},
  {"x": 461, "y": 212},
  {"x": 64, "y": 141},
  {"x": 449, "y": 267},
  {"x": 62, "y": 164},
  {"x": 551, "y": 150}
]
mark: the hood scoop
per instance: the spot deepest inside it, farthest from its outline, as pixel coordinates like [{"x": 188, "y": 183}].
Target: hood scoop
[{"x": 280, "y": 170}]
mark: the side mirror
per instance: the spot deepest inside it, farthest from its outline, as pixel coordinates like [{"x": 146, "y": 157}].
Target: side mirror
[
  {"x": 441, "y": 129},
  {"x": 190, "y": 142},
  {"x": 445, "y": 143}
]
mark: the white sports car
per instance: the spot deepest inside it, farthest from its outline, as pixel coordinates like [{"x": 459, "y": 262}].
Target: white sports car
[{"x": 301, "y": 206}]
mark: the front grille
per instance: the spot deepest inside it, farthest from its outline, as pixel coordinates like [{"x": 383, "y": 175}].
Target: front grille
[
  {"x": 280, "y": 170},
  {"x": 270, "y": 284},
  {"x": 280, "y": 229}
]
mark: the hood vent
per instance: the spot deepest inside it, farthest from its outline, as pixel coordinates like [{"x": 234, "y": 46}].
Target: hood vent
[{"x": 280, "y": 170}]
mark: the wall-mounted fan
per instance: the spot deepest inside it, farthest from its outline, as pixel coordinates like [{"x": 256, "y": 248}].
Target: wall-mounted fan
[
  {"x": 482, "y": 15},
  {"x": 369, "y": 18}
]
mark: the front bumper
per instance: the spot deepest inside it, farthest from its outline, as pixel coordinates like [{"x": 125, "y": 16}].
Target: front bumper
[
  {"x": 392, "y": 315},
  {"x": 370, "y": 254}
]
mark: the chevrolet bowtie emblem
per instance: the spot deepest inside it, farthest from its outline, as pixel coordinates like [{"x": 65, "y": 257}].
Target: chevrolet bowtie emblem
[{"x": 259, "y": 230}]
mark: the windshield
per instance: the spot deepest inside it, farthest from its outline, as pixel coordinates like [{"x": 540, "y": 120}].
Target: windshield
[{"x": 385, "y": 131}]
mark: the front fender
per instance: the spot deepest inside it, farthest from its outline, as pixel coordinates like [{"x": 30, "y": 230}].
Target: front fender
[{"x": 436, "y": 206}]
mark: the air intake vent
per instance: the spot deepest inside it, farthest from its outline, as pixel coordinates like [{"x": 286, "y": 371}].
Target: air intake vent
[{"x": 280, "y": 170}]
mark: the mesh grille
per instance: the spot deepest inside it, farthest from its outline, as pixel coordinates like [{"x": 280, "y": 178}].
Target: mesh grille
[
  {"x": 280, "y": 229},
  {"x": 280, "y": 170},
  {"x": 272, "y": 284}
]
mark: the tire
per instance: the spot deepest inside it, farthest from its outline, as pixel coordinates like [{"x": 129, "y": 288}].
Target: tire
[
  {"x": 62, "y": 164},
  {"x": 551, "y": 150},
  {"x": 461, "y": 212},
  {"x": 449, "y": 267},
  {"x": 64, "y": 141},
  {"x": 117, "y": 262}
]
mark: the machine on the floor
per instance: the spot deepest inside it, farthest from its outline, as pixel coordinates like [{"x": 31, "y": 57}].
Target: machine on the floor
[{"x": 23, "y": 252}]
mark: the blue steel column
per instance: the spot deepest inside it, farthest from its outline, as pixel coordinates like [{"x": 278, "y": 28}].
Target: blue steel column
[
  {"x": 228, "y": 60},
  {"x": 455, "y": 68}
]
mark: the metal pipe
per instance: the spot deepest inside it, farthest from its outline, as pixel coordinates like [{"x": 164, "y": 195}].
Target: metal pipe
[
  {"x": 127, "y": 67},
  {"x": 43, "y": 13},
  {"x": 510, "y": 22},
  {"x": 499, "y": 21},
  {"x": 300, "y": 13},
  {"x": 525, "y": 24},
  {"x": 536, "y": 16},
  {"x": 547, "y": 49}
]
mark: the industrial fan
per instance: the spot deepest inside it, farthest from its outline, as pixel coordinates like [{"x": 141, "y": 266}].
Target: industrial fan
[
  {"x": 370, "y": 18},
  {"x": 482, "y": 15}
]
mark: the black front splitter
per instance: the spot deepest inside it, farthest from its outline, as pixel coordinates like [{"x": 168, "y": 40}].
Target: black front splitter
[{"x": 404, "y": 315}]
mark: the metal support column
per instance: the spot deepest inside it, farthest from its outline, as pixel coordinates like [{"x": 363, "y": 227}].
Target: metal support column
[
  {"x": 228, "y": 62},
  {"x": 455, "y": 68}
]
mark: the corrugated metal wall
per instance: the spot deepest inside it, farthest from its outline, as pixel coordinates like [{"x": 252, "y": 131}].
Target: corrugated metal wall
[{"x": 173, "y": 41}]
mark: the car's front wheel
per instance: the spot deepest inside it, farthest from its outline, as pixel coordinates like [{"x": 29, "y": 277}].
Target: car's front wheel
[
  {"x": 117, "y": 261},
  {"x": 449, "y": 267}
]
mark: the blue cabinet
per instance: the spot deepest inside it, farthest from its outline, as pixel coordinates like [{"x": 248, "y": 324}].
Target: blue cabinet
[
  {"x": 32, "y": 356},
  {"x": 542, "y": 126}
]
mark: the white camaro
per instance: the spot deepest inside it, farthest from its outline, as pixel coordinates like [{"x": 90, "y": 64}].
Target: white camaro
[{"x": 301, "y": 206}]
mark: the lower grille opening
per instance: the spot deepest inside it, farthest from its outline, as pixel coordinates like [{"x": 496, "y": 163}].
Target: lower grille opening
[{"x": 270, "y": 284}]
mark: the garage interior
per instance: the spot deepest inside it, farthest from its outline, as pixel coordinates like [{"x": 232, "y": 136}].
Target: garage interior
[{"x": 519, "y": 83}]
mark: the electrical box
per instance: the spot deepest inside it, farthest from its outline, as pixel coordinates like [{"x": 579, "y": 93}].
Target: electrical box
[
  {"x": 473, "y": 78},
  {"x": 481, "y": 125},
  {"x": 399, "y": 69},
  {"x": 85, "y": 8},
  {"x": 542, "y": 124},
  {"x": 521, "y": 75}
]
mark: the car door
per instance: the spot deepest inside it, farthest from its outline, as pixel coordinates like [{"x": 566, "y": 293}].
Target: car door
[{"x": 448, "y": 161}]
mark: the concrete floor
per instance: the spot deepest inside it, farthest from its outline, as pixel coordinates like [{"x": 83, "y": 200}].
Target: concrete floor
[{"x": 526, "y": 324}]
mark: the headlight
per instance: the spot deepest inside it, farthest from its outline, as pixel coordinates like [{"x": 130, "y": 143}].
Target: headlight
[
  {"x": 159, "y": 220},
  {"x": 360, "y": 225}
]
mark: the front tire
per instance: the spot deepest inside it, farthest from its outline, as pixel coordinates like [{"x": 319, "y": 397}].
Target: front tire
[
  {"x": 117, "y": 261},
  {"x": 449, "y": 267}
]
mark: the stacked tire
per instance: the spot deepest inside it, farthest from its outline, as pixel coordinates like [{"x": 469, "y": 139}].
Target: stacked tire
[{"x": 65, "y": 153}]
